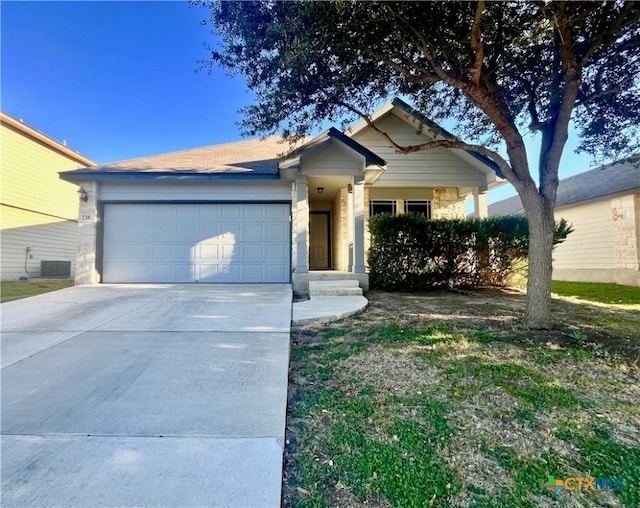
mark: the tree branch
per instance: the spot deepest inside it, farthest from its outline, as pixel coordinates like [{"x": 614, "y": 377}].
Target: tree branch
[
  {"x": 476, "y": 45},
  {"x": 557, "y": 131},
  {"x": 535, "y": 124},
  {"x": 597, "y": 95},
  {"x": 370, "y": 123},
  {"x": 501, "y": 117},
  {"x": 423, "y": 77},
  {"x": 475, "y": 93},
  {"x": 494, "y": 156},
  {"x": 426, "y": 50},
  {"x": 504, "y": 166},
  {"x": 629, "y": 11}
]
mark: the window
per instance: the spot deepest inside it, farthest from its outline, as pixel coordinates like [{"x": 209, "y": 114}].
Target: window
[
  {"x": 378, "y": 206},
  {"x": 422, "y": 207}
]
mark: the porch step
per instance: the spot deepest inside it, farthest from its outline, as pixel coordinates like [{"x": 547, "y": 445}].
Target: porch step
[
  {"x": 336, "y": 291},
  {"x": 323, "y": 275},
  {"x": 319, "y": 284},
  {"x": 357, "y": 279},
  {"x": 334, "y": 288}
]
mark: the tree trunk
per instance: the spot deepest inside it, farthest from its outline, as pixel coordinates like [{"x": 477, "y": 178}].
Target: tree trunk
[{"x": 541, "y": 229}]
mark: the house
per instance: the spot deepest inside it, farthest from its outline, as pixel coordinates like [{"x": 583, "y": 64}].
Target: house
[
  {"x": 261, "y": 211},
  {"x": 38, "y": 217},
  {"x": 603, "y": 205}
]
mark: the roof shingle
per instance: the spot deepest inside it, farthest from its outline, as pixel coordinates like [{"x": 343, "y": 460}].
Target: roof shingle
[
  {"x": 255, "y": 156},
  {"x": 592, "y": 184}
]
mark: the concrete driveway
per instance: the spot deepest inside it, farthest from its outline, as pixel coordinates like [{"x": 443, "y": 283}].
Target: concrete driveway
[{"x": 145, "y": 395}]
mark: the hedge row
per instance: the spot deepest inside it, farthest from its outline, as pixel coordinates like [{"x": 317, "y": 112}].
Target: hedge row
[{"x": 409, "y": 252}]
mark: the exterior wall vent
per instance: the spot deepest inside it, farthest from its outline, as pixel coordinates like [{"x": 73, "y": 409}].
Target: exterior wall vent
[{"x": 56, "y": 269}]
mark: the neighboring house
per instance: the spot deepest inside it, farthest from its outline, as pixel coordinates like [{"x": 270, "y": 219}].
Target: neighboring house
[
  {"x": 603, "y": 205},
  {"x": 38, "y": 211},
  {"x": 259, "y": 211}
]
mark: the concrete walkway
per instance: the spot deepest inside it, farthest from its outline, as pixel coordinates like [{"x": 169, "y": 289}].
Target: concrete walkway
[
  {"x": 132, "y": 395},
  {"x": 324, "y": 309}
]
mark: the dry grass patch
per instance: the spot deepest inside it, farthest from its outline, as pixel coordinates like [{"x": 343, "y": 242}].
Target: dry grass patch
[
  {"x": 391, "y": 372},
  {"x": 400, "y": 407}
]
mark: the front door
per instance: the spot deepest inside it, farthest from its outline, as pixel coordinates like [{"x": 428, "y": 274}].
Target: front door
[{"x": 319, "y": 244}]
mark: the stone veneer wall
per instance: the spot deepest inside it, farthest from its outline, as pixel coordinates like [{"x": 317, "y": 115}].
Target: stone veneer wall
[
  {"x": 625, "y": 212},
  {"x": 86, "y": 272},
  {"x": 446, "y": 204},
  {"x": 340, "y": 234}
]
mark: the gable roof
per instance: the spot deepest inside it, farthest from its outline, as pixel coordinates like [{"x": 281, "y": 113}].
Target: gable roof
[
  {"x": 42, "y": 138},
  {"x": 253, "y": 159},
  {"x": 430, "y": 124},
  {"x": 596, "y": 183},
  {"x": 250, "y": 159},
  {"x": 256, "y": 158},
  {"x": 444, "y": 133},
  {"x": 333, "y": 133}
]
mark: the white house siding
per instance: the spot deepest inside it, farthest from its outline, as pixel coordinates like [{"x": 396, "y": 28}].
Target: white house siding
[
  {"x": 428, "y": 168},
  {"x": 590, "y": 247},
  {"x": 260, "y": 190},
  {"x": 400, "y": 193},
  {"x": 332, "y": 159},
  {"x": 50, "y": 239}
]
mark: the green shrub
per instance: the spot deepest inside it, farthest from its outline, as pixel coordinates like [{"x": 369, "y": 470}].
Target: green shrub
[{"x": 412, "y": 253}]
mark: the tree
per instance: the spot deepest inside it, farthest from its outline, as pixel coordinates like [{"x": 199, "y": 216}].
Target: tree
[{"x": 501, "y": 69}]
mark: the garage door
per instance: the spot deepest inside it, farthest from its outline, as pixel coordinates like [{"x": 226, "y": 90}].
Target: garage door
[{"x": 196, "y": 243}]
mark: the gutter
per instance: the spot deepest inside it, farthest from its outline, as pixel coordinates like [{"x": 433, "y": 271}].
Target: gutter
[{"x": 36, "y": 135}]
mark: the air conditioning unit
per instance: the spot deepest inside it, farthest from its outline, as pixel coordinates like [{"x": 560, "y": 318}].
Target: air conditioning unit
[{"x": 55, "y": 269}]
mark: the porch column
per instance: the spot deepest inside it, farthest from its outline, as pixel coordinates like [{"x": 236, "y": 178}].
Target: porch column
[
  {"x": 480, "y": 209},
  {"x": 301, "y": 261},
  {"x": 358, "y": 225}
]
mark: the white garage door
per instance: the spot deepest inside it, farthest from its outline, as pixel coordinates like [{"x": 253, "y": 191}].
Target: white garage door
[{"x": 196, "y": 243}]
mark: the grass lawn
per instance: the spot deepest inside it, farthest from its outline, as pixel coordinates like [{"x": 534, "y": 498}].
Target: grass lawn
[
  {"x": 444, "y": 399},
  {"x": 599, "y": 292},
  {"x": 16, "y": 289}
]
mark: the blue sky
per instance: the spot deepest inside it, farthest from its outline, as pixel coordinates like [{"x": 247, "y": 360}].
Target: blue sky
[{"x": 118, "y": 80}]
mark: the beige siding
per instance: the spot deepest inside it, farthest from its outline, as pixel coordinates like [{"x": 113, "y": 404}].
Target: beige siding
[
  {"x": 591, "y": 245},
  {"x": 332, "y": 159},
  {"x": 428, "y": 168},
  {"x": 50, "y": 239},
  {"x": 400, "y": 193}
]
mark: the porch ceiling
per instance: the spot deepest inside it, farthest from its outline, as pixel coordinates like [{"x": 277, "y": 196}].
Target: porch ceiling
[{"x": 330, "y": 184}]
